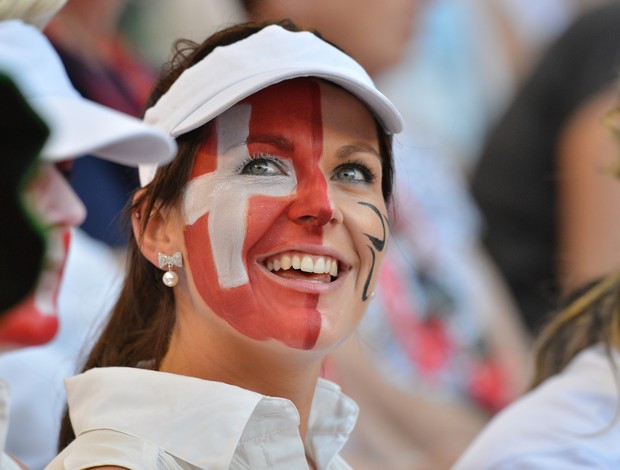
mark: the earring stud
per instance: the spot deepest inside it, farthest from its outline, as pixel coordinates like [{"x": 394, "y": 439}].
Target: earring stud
[{"x": 170, "y": 278}]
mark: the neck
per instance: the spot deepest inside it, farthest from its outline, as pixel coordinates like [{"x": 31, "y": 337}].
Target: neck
[{"x": 263, "y": 367}]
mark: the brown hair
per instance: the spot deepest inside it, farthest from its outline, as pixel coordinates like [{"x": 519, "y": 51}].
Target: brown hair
[
  {"x": 141, "y": 323},
  {"x": 591, "y": 315}
]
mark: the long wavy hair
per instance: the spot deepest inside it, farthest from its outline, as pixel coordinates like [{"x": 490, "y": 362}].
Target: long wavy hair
[{"x": 141, "y": 322}]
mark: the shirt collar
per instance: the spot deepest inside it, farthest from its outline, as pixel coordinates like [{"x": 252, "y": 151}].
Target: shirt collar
[{"x": 213, "y": 422}]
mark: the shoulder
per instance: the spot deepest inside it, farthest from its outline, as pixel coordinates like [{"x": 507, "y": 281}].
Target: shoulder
[
  {"x": 107, "y": 449},
  {"x": 108, "y": 467},
  {"x": 567, "y": 422}
]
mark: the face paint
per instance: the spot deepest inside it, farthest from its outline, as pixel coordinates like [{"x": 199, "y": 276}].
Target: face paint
[
  {"x": 50, "y": 199},
  {"x": 377, "y": 244},
  {"x": 258, "y": 198},
  {"x": 226, "y": 215},
  {"x": 34, "y": 321}
]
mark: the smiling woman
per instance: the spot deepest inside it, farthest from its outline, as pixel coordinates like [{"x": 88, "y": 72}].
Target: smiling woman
[{"x": 270, "y": 225}]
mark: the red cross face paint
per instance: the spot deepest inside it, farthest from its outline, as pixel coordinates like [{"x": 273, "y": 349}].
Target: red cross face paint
[{"x": 285, "y": 219}]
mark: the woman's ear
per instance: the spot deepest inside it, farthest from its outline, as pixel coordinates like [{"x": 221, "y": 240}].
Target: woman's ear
[{"x": 161, "y": 232}]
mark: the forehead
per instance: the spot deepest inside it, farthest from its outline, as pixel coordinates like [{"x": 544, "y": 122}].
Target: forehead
[
  {"x": 294, "y": 115},
  {"x": 305, "y": 104},
  {"x": 291, "y": 108}
]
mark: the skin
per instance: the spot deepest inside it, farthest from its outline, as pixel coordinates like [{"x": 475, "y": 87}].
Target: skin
[
  {"x": 270, "y": 332},
  {"x": 51, "y": 200},
  {"x": 389, "y": 23},
  {"x": 588, "y": 194},
  {"x": 87, "y": 28}
]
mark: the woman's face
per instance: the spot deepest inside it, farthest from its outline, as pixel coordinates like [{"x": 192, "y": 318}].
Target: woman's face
[
  {"x": 285, "y": 220},
  {"x": 50, "y": 200}
]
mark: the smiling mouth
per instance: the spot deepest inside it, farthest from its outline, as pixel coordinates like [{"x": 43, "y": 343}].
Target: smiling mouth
[{"x": 303, "y": 267}]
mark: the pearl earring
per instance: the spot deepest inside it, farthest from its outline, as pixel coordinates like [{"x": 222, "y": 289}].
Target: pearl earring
[{"x": 170, "y": 278}]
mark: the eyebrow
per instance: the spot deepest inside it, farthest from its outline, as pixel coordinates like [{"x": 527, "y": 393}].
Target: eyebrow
[
  {"x": 347, "y": 150},
  {"x": 281, "y": 143},
  {"x": 285, "y": 145}
]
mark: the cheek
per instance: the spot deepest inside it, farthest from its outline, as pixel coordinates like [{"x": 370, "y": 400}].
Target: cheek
[
  {"x": 199, "y": 250},
  {"x": 368, "y": 223},
  {"x": 264, "y": 220},
  {"x": 370, "y": 232},
  {"x": 250, "y": 307}
]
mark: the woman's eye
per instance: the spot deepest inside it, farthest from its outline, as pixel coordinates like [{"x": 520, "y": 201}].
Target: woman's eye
[
  {"x": 263, "y": 167},
  {"x": 354, "y": 172}
]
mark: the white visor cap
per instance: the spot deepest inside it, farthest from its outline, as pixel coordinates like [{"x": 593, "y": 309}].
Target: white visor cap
[
  {"x": 78, "y": 126},
  {"x": 233, "y": 72}
]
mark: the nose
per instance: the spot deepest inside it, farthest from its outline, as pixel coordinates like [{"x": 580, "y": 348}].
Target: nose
[
  {"x": 313, "y": 205},
  {"x": 51, "y": 198}
]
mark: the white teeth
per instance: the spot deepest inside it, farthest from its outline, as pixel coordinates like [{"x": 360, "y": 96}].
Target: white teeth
[
  {"x": 333, "y": 271},
  {"x": 319, "y": 266},
  {"x": 307, "y": 265},
  {"x": 296, "y": 262},
  {"x": 286, "y": 262}
]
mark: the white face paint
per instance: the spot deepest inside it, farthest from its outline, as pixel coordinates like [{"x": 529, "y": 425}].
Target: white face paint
[{"x": 224, "y": 195}]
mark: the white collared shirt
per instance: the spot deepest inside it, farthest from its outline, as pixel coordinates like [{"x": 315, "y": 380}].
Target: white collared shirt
[
  {"x": 568, "y": 422},
  {"x": 142, "y": 419}
]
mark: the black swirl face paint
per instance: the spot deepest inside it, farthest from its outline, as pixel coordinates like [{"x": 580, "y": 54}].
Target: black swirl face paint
[{"x": 377, "y": 244}]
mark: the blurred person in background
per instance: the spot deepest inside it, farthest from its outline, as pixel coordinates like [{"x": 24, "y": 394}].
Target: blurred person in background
[
  {"x": 28, "y": 133},
  {"x": 440, "y": 349},
  {"x": 77, "y": 127},
  {"x": 569, "y": 418},
  {"x": 103, "y": 67},
  {"x": 550, "y": 214}
]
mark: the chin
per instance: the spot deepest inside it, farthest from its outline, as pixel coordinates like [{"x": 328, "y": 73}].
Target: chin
[
  {"x": 334, "y": 331},
  {"x": 34, "y": 321},
  {"x": 25, "y": 325}
]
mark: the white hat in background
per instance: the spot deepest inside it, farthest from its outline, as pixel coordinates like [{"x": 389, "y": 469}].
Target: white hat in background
[
  {"x": 231, "y": 73},
  {"x": 77, "y": 126}
]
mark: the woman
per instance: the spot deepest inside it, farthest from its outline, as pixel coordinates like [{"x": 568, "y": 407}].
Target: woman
[{"x": 269, "y": 226}]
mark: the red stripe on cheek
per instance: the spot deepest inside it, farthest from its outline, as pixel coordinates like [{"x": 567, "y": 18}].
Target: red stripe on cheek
[
  {"x": 261, "y": 309},
  {"x": 288, "y": 316}
]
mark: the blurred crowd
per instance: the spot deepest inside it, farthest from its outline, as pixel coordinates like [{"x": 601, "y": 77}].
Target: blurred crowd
[{"x": 503, "y": 202}]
